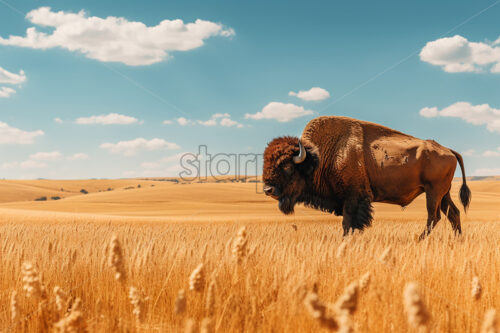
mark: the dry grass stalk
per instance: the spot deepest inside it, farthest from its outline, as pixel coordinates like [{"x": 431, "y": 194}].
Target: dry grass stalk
[
  {"x": 190, "y": 326},
  {"x": 207, "y": 325},
  {"x": 341, "y": 250},
  {"x": 476, "y": 288},
  {"x": 139, "y": 302},
  {"x": 61, "y": 299},
  {"x": 115, "y": 259},
  {"x": 32, "y": 281},
  {"x": 197, "y": 279},
  {"x": 180, "y": 302},
  {"x": 490, "y": 322},
  {"x": 73, "y": 323},
  {"x": 418, "y": 317},
  {"x": 317, "y": 310},
  {"x": 384, "y": 257},
  {"x": 364, "y": 281},
  {"x": 345, "y": 323},
  {"x": 348, "y": 301},
  {"x": 14, "y": 310},
  {"x": 240, "y": 245},
  {"x": 210, "y": 302}
]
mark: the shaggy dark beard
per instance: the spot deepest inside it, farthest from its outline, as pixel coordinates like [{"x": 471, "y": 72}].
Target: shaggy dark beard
[{"x": 286, "y": 205}]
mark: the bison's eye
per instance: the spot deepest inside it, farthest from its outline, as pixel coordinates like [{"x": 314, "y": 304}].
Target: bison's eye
[{"x": 288, "y": 168}]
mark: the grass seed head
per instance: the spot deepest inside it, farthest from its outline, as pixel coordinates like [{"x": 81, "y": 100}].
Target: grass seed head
[
  {"x": 418, "y": 316},
  {"x": 240, "y": 245},
  {"x": 348, "y": 301},
  {"x": 364, "y": 281},
  {"x": 490, "y": 322},
  {"x": 14, "y": 310},
  {"x": 115, "y": 259},
  {"x": 476, "y": 288},
  {"x": 61, "y": 299},
  {"x": 32, "y": 282},
  {"x": 197, "y": 279},
  {"x": 317, "y": 310},
  {"x": 180, "y": 302},
  {"x": 139, "y": 302}
]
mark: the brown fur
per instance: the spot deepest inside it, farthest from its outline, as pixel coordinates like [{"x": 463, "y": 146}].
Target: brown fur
[{"x": 351, "y": 163}]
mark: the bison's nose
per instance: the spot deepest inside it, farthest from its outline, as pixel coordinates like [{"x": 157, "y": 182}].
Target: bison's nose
[{"x": 269, "y": 190}]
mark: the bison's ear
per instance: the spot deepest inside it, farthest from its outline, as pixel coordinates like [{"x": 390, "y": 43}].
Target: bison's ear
[{"x": 311, "y": 162}]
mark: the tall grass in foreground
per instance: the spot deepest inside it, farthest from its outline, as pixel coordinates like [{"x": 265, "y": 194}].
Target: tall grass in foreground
[{"x": 267, "y": 276}]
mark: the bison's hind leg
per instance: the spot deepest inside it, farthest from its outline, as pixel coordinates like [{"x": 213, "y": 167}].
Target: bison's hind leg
[
  {"x": 357, "y": 214},
  {"x": 434, "y": 195},
  {"x": 449, "y": 208}
]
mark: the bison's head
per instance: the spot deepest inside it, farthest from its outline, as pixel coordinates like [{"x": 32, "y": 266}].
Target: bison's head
[{"x": 288, "y": 168}]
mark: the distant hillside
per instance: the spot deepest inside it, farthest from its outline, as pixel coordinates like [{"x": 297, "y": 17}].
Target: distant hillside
[
  {"x": 29, "y": 190},
  {"x": 485, "y": 178}
]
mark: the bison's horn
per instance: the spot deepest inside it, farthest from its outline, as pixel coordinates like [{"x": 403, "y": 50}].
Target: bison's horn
[{"x": 301, "y": 156}]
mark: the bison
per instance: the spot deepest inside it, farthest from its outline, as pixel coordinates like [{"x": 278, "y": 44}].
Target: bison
[{"x": 341, "y": 165}]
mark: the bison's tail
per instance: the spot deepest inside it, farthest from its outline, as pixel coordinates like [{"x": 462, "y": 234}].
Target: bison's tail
[{"x": 465, "y": 194}]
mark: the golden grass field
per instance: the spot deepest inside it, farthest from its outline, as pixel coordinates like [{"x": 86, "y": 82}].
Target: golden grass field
[{"x": 283, "y": 274}]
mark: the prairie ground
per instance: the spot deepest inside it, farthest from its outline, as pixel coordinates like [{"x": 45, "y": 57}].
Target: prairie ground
[{"x": 256, "y": 280}]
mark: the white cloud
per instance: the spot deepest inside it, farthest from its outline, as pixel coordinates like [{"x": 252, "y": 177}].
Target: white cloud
[
  {"x": 228, "y": 122},
  {"x": 108, "y": 119},
  {"x": 429, "y": 112},
  {"x": 58, "y": 120},
  {"x": 487, "y": 172},
  {"x": 222, "y": 119},
  {"x": 6, "y": 92},
  {"x": 7, "y": 77},
  {"x": 32, "y": 164},
  {"x": 183, "y": 121},
  {"x": 8, "y": 165},
  {"x": 457, "y": 54},
  {"x": 280, "y": 111},
  {"x": 129, "y": 148},
  {"x": 78, "y": 157},
  {"x": 12, "y": 135},
  {"x": 482, "y": 114},
  {"x": 114, "y": 39},
  {"x": 46, "y": 156},
  {"x": 313, "y": 94},
  {"x": 492, "y": 153},
  {"x": 167, "y": 122},
  {"x": 469, "y": 152},
  {"x": 209, "y": 122}
]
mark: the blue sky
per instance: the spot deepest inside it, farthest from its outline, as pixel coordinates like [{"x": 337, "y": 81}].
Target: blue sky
[{"x": 107, "y": 89}]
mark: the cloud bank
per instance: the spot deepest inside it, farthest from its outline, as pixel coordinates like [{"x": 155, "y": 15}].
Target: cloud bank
[
  {"x": 12, "y": 135},
  {"x": 473, "y": 114},
  {"x": 114, "y": 39},
  {"x": 457, "y": 54},
  {"x": 109, "y": 119},
  {"x": 129, "y": 148},
  {"x": 280, "y": 111},
  {"x": 313, "y": 94}
]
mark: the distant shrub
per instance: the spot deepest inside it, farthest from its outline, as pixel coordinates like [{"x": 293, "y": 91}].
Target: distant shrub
[
  {"x": 129, "y": 188},
  {"x": 139, "y": 186},
  {"x": 110, "y": 189},
  {"x": 84, "y": 191},
  {"x": 55, "y": 198},
  {"x": 41, "y": 199}
]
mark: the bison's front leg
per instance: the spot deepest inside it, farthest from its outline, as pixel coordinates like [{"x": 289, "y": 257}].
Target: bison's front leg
[{"x": 357, "y": 214}]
